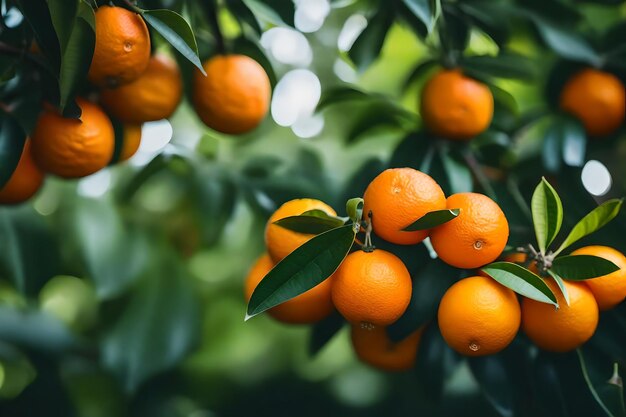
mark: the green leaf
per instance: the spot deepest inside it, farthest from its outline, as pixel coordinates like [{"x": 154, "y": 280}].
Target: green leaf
[
  {"x": 458, "y": 174},
  {"x": 495, "y": 380},
  {"x": 323, "y": 331},
  {"x": 215, "y": 200},
  {"x": 242, "y": 13},
  {"x": 433, "y": 219},
  {"x": 77, "y": 54},
  {"x": 561, "y": 285},
  {"x": 547, "y": 211},
  {"x": 303, "y": 269},
  {"x": 574, "y": 142},
  {"x": 308, "y": 224},
  {"x": 63, "y": 13},
  {"x": 422, "y": 10},
  {"x": 368, "y": 45},
  {"x": 435, "y": 362},
  {"x": 339, "y": 95},
  {"x": 521, "y": 280},
  {"x": 157, "y": 329},
  {"x": 268, "y": 14},
  {"x": 505, "y": 65},
  {"x": 12, "y": 140},
  {"x": 354, "y": 208},
  {"x": 552, "y": 148},
  {"x": 581, "y": 267},
  {"x": 421, "y": 69},
  {"x": 593, "y": 221},
  {"x": 175, "y": 29},
  {"x": 592, "y": 389},
  {"x": 38, "y": 16}
]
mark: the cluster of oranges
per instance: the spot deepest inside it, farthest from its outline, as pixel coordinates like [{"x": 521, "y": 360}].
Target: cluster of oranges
[
  {"x": 477, "y": 316},
  {"x": 134, "y": 86},
  {"x": 457, "y": 107}
]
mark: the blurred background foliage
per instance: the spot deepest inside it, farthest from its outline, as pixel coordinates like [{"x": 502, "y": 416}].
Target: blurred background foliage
[{"x": 153, "y": 325}]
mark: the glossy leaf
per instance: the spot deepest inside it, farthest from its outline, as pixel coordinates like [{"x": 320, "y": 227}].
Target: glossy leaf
[
  {"x": 309, "y": 224},
  {"x": 422, "y": 10},
  {"x": 12, "y": 140},
  {"x": 547, "y": 211},
  {"x": 504, "y": 65},
  {"x": 433, "y": 219},
  {"x": 323, "y": 331},
  {"x": 63, "y": 13},
  {"x": 303, "y": 269},
  {"x": 458, "y": 174},
  {"x": 157, "y": 329},
  {"x": 495, "y": 381},
  {"x": 368, "y": 45},
  {"x": 354, "y": 208},
  {"x": 175, "y": 29},
  {"x": 593, "y": 221},
  {"x": 581, "y": 267},
  {"x": 38, "y": 16},
  {"x": 561, "y": 285},
  {"x": 521, "y": 280}
]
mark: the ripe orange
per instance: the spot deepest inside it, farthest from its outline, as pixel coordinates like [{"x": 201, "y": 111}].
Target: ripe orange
[
  {"x": 73, "y": 148},
  {"x": 397, "y": 197},
  {"x": 234, "y": 96},
  {"x": 25, "y": 180},
  {"x": 477, "y": 316},
  {"x": 132, "y": 140},
  {"x": 371, "y": 288},
  {"x": 122, "y": 48},
  {"x": 373, "y": 346},
  {"x": 609, "y": 290},
  {"x": 566, "y": 328},
  {"x": 456, "y": 107},
  {"x": 153, "y": 96},
  {"x": 280, "y": 241},
  {"x": 309, "y": 307},
  {"x": 476, "y": 237},
  {"x": 597, "y": 99}
]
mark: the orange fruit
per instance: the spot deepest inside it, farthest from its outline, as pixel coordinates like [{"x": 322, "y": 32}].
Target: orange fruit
[
  {"x": 153, "y": 96},
  {"x": 371, "y": 288},
  {"x": 309, "y": 307},
  {"x": 280, "y": 241},
  {"x": 397, "y": 197},
  {"x": 565, "y": 328},
  {"x": 122, "y": 48},
  {"x": 597, "y": 99},
  {"x": 476, "y": 236},
  {"x": 373, "y": 346},
  {"x": 234, "y": 96},
  {"x": 609, "y": 290},
  {"x": 73, "y": 148},
  {"x": 456, "y": 107},
  {"x": 477, "y": 316},
  {"x": 25, "y": 180},
  {"x": 132, "y": 140}
]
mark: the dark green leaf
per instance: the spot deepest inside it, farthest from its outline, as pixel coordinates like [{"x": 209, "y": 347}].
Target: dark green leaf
[
  {"x": 429, "y": 286},
  {"x": 432, "y": 219},
  {"x": 175, "y": 29},
  {"x": 368, "y": 45},
  {"x": 77, "y": 54},
  {"x": 561, "y": 285},
  {"x": 491, "y": 138},
  {"x": 275, "y": 14},
  {"x": 495, "y": 381},
  {"x": 421, "y": 69},
  {"x": 63, "y": 13},
  {"x": 338, "y": 95},
  {"x": 435, "y": 363},
  {"x": 581, "y": 267},
  {"x": 303, "y": 269},
  {"x": 458, "y": 174},
  {"x": 381, "y": 114},
  {"x": 489, "y": 17},
  {"x": 455, "y": 33},
  {"x": 313, "y": 225},
  {"x": 242, "y": 13},
  {"x": 157, "y": 329},
  {"x": 12, "y": 140},
  {"x": 520, "y": 280},
  {"x": 38, "y": 16},
  {"x": 593, "y": 221},
  {"x": 505, "y": 65},
  {"x": 547, "y": 212},
  {"x": 592, "y": 389},
  {"x": 323, "y": 331},
  {"x": 422, "y": 10},
  {"x": 215, "y": 200},
  {"x": 548, "y": 386}
]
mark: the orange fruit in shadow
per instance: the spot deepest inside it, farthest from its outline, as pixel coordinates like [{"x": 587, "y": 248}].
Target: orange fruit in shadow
[
  {"x": 397, "y": 197},
  {"x": 455, "y": 106},
  {"x": 122, "y": 49},
  {"x": 234, "y": 97},
  {"x": 477, "y": 316},
  {"x": 565, "y": 328},
  {"x": 373, "y": 346},
  {"x": 280, "y": 241},
  {"x": 309, "y": 307},
  {"x": 597, "y": 99},
  {"x": 476, "y": 236},
  {"x": 609, "y": 290},
  {"x": 25, "y": 180},
  {"x": 154, "y": 95},
  {"x": 371, "y": 288},
  {"x": 132, "y": 140},
  {"x": 72, "y": 148}
]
